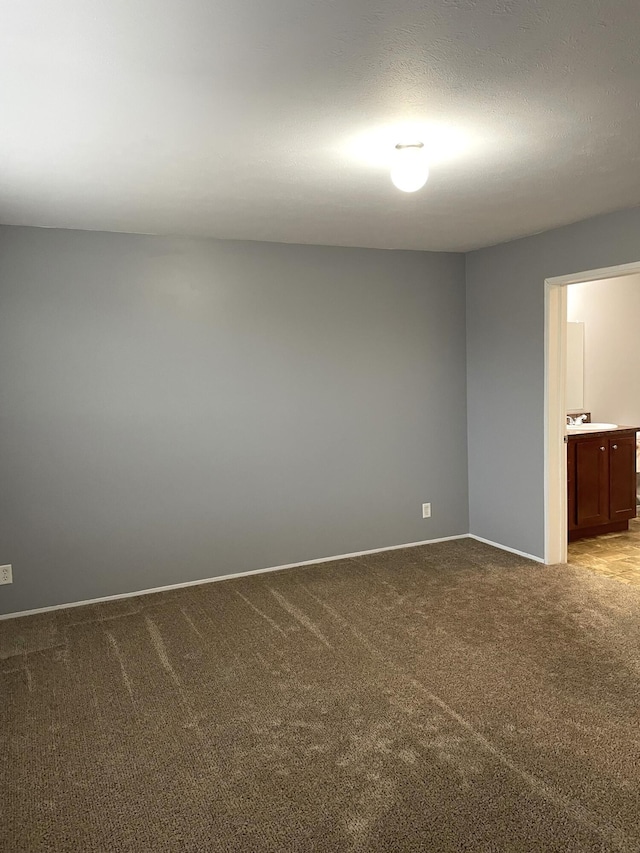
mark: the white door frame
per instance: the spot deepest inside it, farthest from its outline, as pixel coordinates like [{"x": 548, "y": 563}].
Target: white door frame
[{"x": 555, "y": 359}]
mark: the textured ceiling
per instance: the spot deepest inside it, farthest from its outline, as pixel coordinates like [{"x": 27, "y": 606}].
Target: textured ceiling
[{"x": 274, "y": 119}]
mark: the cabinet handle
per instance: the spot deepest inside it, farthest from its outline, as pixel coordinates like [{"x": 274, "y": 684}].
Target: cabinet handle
[
  {"x": 615, "y": 446},
  {"x": 602, "y": 448}
]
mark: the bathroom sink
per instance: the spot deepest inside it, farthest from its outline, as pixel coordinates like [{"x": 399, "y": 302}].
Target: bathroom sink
[{"x": 590, "y": 427}]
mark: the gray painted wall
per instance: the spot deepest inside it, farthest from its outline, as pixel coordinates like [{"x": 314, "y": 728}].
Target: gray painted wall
[
  {"x": 505, "y": 367},
  {"x": 610, "y": 310},
  {"x": 177, "y": 409}
]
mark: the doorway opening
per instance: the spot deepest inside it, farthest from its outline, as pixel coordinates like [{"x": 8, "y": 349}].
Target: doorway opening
[{"x": 557, "y": 408}]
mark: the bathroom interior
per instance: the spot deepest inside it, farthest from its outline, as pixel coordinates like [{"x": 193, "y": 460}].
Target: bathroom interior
[{"x": 603, "y": 426}]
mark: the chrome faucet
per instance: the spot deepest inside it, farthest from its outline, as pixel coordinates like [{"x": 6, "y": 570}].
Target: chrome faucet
[{"x": 576, "y": 421}]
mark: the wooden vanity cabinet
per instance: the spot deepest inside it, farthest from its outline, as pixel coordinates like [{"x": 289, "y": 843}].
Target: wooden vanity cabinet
[
  {"x": 622, "y": 478},
  {"x": 571, "y": 485},
  {"x": 592, "y": 482},
  {"x": 601, "y": 482}
]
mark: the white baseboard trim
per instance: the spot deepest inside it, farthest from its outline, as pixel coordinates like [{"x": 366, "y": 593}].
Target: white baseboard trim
[
  {"x": 229, "y": 577},
  {"x": 506, "y": 548}
]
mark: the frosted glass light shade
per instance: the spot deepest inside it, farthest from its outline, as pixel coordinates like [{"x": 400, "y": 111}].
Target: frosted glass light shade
[{"x": 409, "y": 171}]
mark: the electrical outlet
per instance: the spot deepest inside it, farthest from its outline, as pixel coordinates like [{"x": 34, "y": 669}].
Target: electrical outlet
[
  {"x": 426, "y": 510},
  {"x": 6, "y": 575}
]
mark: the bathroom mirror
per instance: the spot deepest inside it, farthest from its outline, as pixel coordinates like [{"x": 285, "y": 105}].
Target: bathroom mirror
[{"x": 575, "y": 366}]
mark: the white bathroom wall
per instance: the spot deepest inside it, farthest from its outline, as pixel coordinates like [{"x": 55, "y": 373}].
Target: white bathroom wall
[
  {"x": 575, "y": 367},
  {"x": 610, "y": 310}
]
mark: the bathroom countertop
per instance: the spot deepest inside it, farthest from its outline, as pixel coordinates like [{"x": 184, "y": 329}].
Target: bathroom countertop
[{"x": 578, "y": 433}]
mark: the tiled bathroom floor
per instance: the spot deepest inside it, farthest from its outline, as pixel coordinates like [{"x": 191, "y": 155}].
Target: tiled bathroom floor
[{"x": 614, "y": 554}]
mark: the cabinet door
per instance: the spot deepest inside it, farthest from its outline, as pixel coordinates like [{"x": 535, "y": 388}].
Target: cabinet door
[
  {"x": 571, "y": 484},
  {"x": 622, "y": 478},
  {"x": 592, "y": 482}
]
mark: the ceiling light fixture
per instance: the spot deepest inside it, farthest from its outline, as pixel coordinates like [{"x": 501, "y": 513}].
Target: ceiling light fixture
[{"x": 410, "y": 169}]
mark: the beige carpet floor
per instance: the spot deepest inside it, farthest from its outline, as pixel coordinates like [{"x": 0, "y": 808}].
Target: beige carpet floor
[{"x": 444, "y": 698}]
